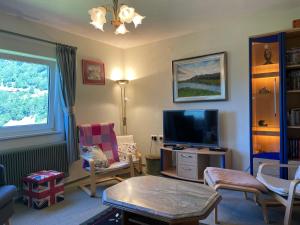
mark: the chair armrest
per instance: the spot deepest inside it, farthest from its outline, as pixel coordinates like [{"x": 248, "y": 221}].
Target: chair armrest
[
  {"x": 138, "y": 154},
  {"x": 293, "y": 185},
  {"x": 2, "y": 175},
  {"x": 264, "y": 165},
  {"x": 130, "y": 159}
]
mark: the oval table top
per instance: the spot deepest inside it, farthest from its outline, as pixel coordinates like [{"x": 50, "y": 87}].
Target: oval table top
[{"x": 164, "y": 198}]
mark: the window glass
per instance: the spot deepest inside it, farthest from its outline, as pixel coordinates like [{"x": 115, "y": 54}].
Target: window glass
[
  {"x": 24, "y": 88},
  {"x": 27, "y": 95}
]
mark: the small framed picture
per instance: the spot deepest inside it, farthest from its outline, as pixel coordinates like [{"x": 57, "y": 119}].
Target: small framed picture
[
  {"x": 201, "y": 78},
  {"x": 93, "y": 72}
]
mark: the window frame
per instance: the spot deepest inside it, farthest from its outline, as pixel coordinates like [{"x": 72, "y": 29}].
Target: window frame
[{"x": 33, "y": 129}]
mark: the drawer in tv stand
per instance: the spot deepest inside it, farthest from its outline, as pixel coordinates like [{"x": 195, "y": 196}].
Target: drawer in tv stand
[
  {"x": 186, "y": 158},
  {"x": 187, "y": 171}
]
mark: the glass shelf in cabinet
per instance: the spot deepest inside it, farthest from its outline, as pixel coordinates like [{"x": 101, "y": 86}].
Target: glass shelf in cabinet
[{"x": 265, "y": 69}]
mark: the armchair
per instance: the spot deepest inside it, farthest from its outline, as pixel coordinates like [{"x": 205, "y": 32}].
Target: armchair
[
  {"x": 7, "y": 192},
  {"x": 103, "y": 136},
  {"x": 137, "y": 158},
  {"x": 286, "y": 192}
]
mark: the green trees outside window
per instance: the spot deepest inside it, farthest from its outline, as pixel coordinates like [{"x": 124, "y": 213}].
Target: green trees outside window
[{"x": 23, "y": 93}]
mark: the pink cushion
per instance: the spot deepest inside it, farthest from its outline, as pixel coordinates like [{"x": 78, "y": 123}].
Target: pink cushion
[
  {"x": 102, "y": 135},
  {"x": 234, "y": 177}
]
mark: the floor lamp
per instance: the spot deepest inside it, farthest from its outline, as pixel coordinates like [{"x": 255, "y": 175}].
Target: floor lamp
[{"x": 122, "y": 84}]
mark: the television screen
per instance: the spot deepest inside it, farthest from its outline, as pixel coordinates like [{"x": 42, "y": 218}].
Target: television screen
[{"x": 191, "y": 127}]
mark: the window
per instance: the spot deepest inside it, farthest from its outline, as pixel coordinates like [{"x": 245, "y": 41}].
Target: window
[{"x": 26, "y": 94}]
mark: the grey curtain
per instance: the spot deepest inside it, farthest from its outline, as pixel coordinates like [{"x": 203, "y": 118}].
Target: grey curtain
[{"x": 66, "y": 61}]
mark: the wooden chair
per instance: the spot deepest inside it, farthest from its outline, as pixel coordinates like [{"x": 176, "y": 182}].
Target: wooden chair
[
  {"x": 286, "y": 192},
  {"x": 99, "y": 175},
  {"x": 234, "y": 180},
  {"x": 137, "y": 160}
]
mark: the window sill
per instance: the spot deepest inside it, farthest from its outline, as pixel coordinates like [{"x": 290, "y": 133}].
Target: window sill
[{"x": 28, "y": 135}]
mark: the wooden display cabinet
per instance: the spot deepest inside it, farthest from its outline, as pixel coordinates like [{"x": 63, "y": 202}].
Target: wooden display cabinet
[{"x": 275, "y": 97}]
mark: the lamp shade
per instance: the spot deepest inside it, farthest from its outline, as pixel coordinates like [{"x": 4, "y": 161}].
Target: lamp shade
[
  {"x": 98, "y": 17},
  {"x": 126, "y": 14},
  {"x": 121, "y": 29},
  {"x": 137, "y": 19},
  {"x": 122, "y": 82}
]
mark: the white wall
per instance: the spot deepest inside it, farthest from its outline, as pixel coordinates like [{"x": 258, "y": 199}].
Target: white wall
[{"x": 151, "y": 91}]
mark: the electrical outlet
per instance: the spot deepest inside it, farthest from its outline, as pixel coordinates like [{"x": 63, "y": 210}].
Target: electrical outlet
[
  {"x": 154, "y": 137},
  {"x": 160, "y": 137}
]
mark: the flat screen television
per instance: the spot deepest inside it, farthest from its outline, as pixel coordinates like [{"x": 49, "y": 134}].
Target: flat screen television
[{"x": 196, "y": 128}]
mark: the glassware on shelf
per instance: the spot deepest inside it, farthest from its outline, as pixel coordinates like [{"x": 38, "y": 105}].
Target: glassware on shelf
[{"x": 265, "y": 98}]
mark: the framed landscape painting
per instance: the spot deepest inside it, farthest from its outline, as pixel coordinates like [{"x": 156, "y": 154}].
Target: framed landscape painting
[
  {"x": 93, "y": 72},
  {"x": 201, "y": 78}
]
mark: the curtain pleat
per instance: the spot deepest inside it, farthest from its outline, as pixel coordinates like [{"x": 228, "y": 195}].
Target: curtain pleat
[{"x": 66, "y": 62}]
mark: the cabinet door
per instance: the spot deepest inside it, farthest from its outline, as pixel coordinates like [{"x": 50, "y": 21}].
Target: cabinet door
[{"x": 265, "y": 97}]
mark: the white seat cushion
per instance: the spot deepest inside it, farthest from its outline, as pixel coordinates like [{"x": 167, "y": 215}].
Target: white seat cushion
[{"x": 277, "y": 185}]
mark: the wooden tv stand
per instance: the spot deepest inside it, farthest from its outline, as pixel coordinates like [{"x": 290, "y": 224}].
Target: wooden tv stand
[{"x": 190, "y": 163}]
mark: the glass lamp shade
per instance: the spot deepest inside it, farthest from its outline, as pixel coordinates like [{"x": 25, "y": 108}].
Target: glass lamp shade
[
  {"x": 126, "y": 14},
  {"x": 137, "y": 19},
  {"x": 121, "y": 29},
  {"x": 122, "y": 83},
  {"x": 98, "y": 17}
]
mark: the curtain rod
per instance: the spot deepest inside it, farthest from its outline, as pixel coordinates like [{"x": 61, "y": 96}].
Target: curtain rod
[{"x": 33, "y": 38}]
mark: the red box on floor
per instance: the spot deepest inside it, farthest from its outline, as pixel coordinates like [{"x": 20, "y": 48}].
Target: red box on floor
[{"x": 43, "y": 188}]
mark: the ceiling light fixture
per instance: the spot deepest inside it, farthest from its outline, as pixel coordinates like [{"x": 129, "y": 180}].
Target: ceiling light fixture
[{"x": 121, "y": 15}]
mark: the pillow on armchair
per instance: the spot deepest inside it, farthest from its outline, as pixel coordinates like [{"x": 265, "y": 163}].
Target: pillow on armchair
[
  {"x": 126, "y": 149},
  {"x": 95, "y": 153}
]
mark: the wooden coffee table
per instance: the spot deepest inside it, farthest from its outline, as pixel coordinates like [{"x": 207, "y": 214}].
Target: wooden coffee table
[{"x": 161, "y": 201}]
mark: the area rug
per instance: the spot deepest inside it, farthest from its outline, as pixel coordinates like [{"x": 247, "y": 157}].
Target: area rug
[{"x": 110, "y": 216}]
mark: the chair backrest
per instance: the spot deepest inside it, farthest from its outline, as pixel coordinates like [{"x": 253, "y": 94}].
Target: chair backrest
[
  {"x": 124, "y": 139},
  {"x": 102, "y": 135}
]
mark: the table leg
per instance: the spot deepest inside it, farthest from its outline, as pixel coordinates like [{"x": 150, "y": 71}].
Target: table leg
[
  {"x": 125, "y": 218},
  {"x": 215, "y": 212},
  {"x": 212, "y": 219},
  {"x": 195, "y": 222},
  {"x": 132, "y": 218}
]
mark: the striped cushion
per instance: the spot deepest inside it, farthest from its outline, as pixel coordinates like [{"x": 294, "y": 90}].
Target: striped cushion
[{"x": 234, "y": 177}]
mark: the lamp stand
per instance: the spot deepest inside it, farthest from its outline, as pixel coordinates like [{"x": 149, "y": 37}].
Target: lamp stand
[
  {"x": 123, "y": 105},
  {"x": 122, "y": 84}
]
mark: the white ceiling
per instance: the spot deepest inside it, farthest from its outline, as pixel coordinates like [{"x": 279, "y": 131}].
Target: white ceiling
[{"x": 164, "y": 18}]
